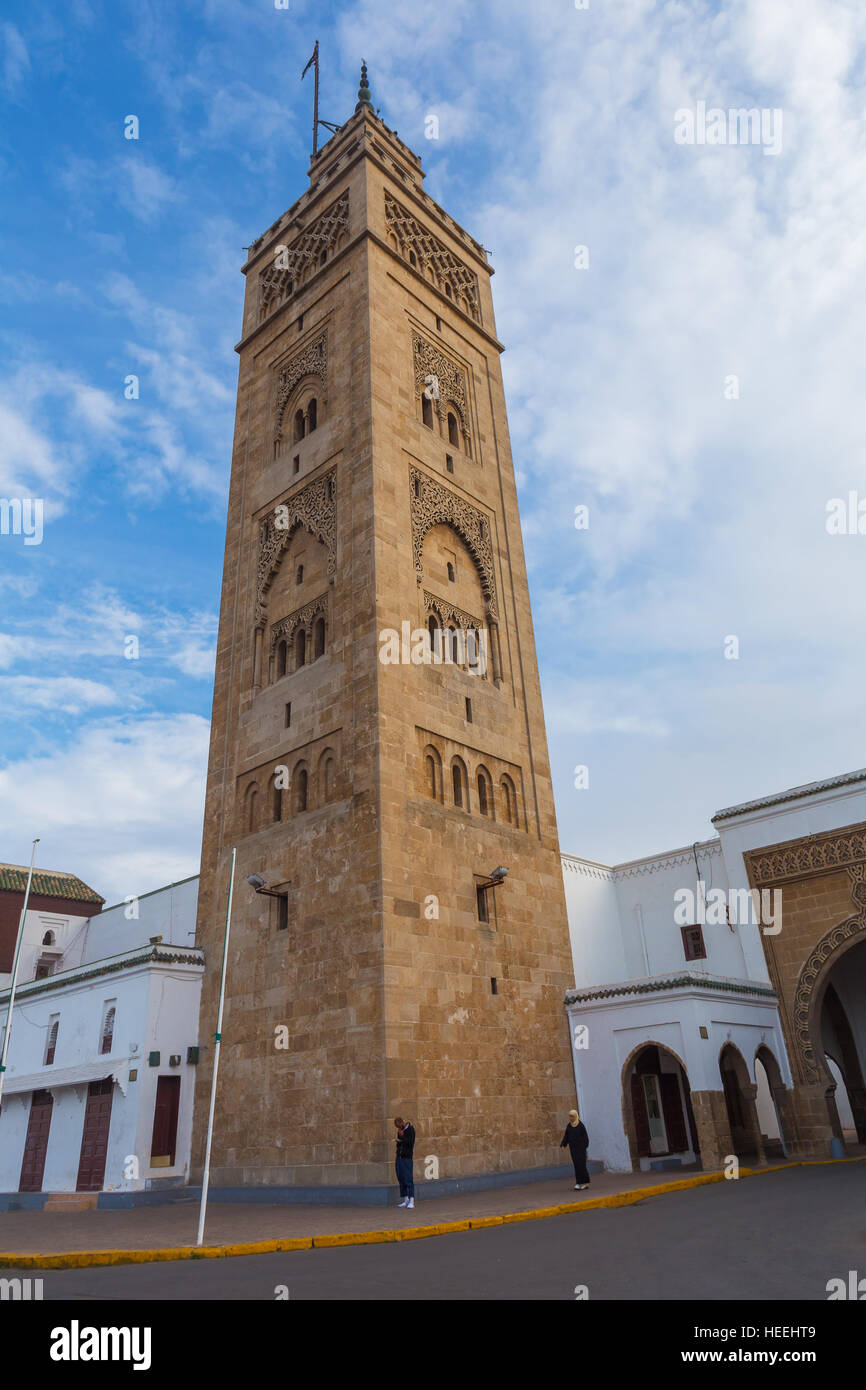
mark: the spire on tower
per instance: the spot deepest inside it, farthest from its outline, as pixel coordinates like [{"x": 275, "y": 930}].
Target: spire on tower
[{"x": 363, "y": 90}]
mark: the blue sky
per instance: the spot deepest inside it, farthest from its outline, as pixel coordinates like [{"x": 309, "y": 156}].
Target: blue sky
[{"x": 707, "y": 513}]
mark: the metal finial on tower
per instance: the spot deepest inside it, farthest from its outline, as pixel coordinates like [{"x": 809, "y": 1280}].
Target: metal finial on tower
[{"x": 364, "y": 90}]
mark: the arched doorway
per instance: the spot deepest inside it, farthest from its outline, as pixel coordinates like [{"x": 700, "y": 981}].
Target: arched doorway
[
  {"x": 843, "y": 1101},
  {"x": 740, "y": 1093},
  {"x": 773, "y": 1103},
  {"x": 657, "y": 1109},
  {"x": 839, "y": 1030}
]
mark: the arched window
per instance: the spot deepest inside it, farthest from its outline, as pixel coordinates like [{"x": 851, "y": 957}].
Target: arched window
[
  {"x": 278, "y": 804},
  {"x": 485, "y": 797},
  {"x": 509, "y": 798},
  {"x": 435, "y": 632},
  {"x": 448, "y": 290},
  {"x": 252, "y": 809},
  {"x": 432, "y": 774},
  {"x": 426, "y": 411},
  {"x": 48, "y": 939},
  {"x": 319, "y": 639},
  {"x": 299, "y": 575},
  {"x": 326, "y": 777},
  {"x": 299, "y": 784},
  {"x": 453, "y": 431},
  {"x": 107, "y": 1031},
  {"x": 300, "y": 648},
  {"x": 459, "y": 784},
  {"x": 281, "y": 659},
  {"x": 51, "y": 1045},
  {"x": 312, "y": 415},
  {"x": 451, "y": 575},
  {"x": 299, "y": 425}
]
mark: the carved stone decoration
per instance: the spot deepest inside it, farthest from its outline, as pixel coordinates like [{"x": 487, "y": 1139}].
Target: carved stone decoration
[
  {"x": 279, "y": 281},
  {"x": 431, "y": 253},
  {"x": 448, "y": 613},
  {"x": 830, "y": 942},
  {"x": 429, "y": 361},
  {"x": 314, "y": 508},
  {"x": 312, "y": 360},
  {"x": 435, "y": 505},
  {"x": 815, "y": 855},
  {"x": 304, "y": 617}
]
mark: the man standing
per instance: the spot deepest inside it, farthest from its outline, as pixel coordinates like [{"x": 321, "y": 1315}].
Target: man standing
[{"x": 405, "y": 1151}]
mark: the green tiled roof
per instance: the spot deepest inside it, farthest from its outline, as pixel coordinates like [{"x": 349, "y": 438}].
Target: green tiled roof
[{"x": 48, "y": 883}]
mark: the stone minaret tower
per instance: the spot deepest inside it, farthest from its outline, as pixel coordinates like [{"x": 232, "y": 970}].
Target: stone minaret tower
[{"x": 372, "y": 489}]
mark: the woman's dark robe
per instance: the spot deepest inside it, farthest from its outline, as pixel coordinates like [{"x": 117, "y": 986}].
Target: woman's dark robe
[{"x": 577, "y": 1141}]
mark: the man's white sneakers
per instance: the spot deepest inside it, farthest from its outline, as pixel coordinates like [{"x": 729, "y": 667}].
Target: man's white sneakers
[
  {"x": 410, "y": 1205},
  {"x": 404, "y": 1202}
]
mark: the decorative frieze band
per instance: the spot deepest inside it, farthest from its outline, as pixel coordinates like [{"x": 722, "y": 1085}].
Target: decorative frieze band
[
  {"x": 302, "y": 617},
  {"x": 434, "y": 260},
  {"x": 314, "y": 508},
  {"x": 292, "y": 264},
  {"x": 311, "y": 360},
  {"x": 818, "y": 854},
  {"x": 432, "y": 504},
  {"x": 448, "y": 613}
]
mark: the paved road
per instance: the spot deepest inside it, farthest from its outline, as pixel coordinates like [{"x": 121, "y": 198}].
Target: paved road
[{"x": 780, "y": 1236}]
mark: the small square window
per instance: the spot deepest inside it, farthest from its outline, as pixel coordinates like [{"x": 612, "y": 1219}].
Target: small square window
[
  {"x": 693, "y": 943},
  {"x": 494, "y": 985}
]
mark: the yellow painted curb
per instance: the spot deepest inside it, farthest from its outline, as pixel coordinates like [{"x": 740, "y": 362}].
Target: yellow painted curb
[{"x": 81, "y": 1259}]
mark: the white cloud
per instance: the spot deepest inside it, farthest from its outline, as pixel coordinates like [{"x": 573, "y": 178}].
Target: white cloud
[
  {"x": 16, "y": 59},
  {"x": 60, "y": 694},
  {"x": 121, "y": 805}
]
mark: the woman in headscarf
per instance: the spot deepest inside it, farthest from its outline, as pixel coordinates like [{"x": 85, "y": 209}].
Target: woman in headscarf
[{"x": 576, "y": 1140}]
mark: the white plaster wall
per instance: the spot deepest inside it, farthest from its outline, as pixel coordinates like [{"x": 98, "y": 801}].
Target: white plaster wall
[
  {"x": 168, "y": 912},
  {"x": 593, "y": 923}
]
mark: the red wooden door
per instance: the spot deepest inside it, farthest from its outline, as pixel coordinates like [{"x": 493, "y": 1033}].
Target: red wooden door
[
  {"x": 641, "y": 1118},
  {"x": 36, "y": 1143},
  {"x": 94, "y": 1137},
  {"x": 164, "y": 1139},
  {"x": 672, "y": 1107}
]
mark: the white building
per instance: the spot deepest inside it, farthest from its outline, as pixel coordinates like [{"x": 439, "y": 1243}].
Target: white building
[
  {"x": 98, "y": 1089},
  {"x": 681, "y": 1053}
]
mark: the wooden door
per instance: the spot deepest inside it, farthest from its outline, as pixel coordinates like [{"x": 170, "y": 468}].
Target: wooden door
[
  {"x": 36, "y": 1143},
  {"x": 672, "y": 1106},
  {"x": 163, "y": 1143},
  {"x": 94, "y": 1137},
  {"x": 641, "y": 1119}
]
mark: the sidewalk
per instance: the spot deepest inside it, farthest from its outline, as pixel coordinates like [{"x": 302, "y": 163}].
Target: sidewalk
[{"x": 169, "y": 1232}]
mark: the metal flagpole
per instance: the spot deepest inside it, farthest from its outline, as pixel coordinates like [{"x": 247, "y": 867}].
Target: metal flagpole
[
  {"x": 216, "y": 1056},
  {"x": 314, "y": 61},
  {"x": 8, "y": 1029}
]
